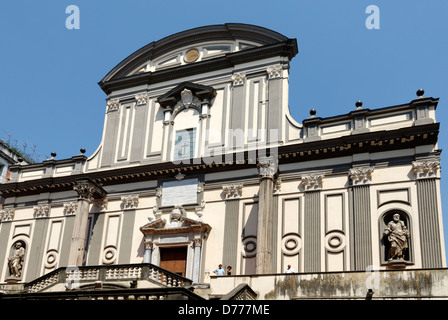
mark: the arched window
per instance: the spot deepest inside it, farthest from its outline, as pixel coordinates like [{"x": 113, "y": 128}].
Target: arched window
[{"x": 395, "y": 237}]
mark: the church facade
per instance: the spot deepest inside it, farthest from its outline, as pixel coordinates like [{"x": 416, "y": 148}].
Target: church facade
[{"x": 201, "y": 164}]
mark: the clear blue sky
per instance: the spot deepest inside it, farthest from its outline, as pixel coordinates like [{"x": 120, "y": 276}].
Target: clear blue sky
[{"x": 49, "y": 95}]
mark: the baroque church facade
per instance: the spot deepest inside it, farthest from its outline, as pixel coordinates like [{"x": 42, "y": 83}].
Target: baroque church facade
[{"x": 201, "y": 164}]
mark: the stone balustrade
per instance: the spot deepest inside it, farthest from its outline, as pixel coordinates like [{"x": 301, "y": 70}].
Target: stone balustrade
[{"x": 77, "y": 277}]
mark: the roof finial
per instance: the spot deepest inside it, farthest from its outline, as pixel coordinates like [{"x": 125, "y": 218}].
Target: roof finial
[{"x": 420, "y": 92}]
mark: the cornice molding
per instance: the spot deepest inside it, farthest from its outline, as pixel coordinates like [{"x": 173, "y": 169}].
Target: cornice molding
[{"x": 369, "y": 142}]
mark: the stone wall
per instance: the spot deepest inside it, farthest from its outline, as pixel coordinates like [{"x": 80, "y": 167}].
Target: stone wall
[{"x": 390, "y": 284}]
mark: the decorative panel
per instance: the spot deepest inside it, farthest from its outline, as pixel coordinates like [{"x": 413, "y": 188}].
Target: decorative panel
[{"x": 335, "y": 238}]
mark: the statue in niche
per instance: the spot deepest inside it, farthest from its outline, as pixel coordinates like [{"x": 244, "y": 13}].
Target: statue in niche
[
  {"x": 15, "y": 263},
  {"x": 397, "y": 234}
]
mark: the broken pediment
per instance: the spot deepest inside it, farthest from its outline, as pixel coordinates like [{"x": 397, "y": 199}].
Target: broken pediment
[
  {"x": 185, "y": 226},
  {"x": 187, "y": 94}
]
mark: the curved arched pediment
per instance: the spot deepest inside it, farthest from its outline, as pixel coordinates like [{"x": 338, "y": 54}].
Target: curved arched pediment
[{"x": 192, "y": 46}]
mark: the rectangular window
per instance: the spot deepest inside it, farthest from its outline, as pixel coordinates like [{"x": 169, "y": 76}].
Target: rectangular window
[{"x": 184, "y": 144}]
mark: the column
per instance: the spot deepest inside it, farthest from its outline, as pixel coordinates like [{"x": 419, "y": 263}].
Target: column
[
  {"x": 148, "y": 251},
  {"x": 197, "y": 243},
  {"x": 86, "y": 190},
  {"x": 267, "y": 168}
]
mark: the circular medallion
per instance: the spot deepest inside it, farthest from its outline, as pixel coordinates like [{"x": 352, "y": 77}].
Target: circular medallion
[
  {"x": 191, "y": 55},
  {"x": 335, "y": 241},
  {"x": 291, "y": 244},
  {"x": 109, "y": 254},
  {"x": 249, "y": 246},
  {"x": 51, "y": 259}
]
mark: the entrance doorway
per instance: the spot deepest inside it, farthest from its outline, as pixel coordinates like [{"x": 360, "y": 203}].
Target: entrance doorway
[{"x": 174, "y": 259}]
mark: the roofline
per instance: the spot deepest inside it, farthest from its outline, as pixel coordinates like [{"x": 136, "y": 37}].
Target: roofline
[
  {"x": 229, "y": 31},
  {"x": 286, "y": 48}
]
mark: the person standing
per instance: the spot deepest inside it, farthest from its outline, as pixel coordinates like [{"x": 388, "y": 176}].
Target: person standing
[
  {"x": 219, "y": 271},
  {"x": 289, "y": 269},
  {"x": 229, "y": 270}
]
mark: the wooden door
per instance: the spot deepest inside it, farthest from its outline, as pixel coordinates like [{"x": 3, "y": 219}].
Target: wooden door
[{"x": 174, "y": 259}]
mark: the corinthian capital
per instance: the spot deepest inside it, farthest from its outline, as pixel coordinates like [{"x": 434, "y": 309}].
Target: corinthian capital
[
  {"x": 233, "y": 191},
  {"x": 267, "y": 167},
  {"x": 42, "y": 211},
  {"x": 88, "y": 190},
  {"x": 311, "y": 182},
  {"x": 360, "y": 176},
  {"x": 141, "y": 98},
  {"x": 130, "y": 201},
  {"x": 275, "y": 71},
  {"x": 238, "y": 79},
  {"x": 7, "y": 214},
  {"x": 113, "y": 105},
  {"x": 426, "y": 169}
]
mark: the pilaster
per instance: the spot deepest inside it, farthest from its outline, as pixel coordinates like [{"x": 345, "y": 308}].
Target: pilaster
[
  {"x": 360, "y": 218},
  {"x": 426, "y": 172}
]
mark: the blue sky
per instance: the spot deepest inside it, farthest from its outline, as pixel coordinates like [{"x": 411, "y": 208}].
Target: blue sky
[{"x": 49, "y": 95}]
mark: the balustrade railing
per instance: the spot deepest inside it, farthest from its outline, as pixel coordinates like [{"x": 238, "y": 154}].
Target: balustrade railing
[{"x": 74, "y": 277}]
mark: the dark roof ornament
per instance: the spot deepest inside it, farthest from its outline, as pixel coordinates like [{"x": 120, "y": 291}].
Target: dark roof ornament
[
  {"x": 313, "y": 112},
  {"x": 420, "y": 92},
  {"x": 358, "y": 105}
]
